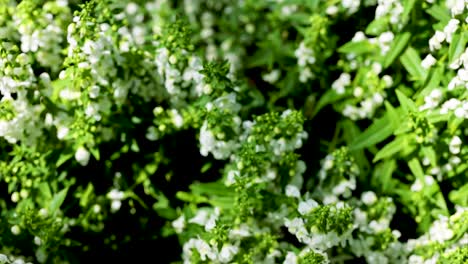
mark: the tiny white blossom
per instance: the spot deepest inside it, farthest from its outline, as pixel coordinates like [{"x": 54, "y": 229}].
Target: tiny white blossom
[
  {"x": 307, "y": 206},
  {"x": 416, "y": 186},
  {"x": 82, "y": 156},
  {"x": 292, "y": 191},
  {"x": 179, "y": 224},
  {"x": 15, "y": 230},
  {"x": 228, "y": 251},
  {"x": 290, "y": 258},
  {"x": 369, "y": 198},
  {"x": 428, "y": 62}
]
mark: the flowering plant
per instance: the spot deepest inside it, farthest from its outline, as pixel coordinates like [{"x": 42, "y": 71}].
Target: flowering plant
[{"x": 216, "y": 131}]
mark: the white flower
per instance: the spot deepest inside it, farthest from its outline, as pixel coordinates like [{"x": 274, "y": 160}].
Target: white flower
[
  {"x": 369, "y": 198},
  {"x": 115, "y": 194},
  {"x": 37, "y": 240},
  {"x": 131, "y": 8},
  {"x": 67, "y": 94},
  {"x": 332, "y": 10},
  {"x": 386, "y": 37},
  {"x": 115, "y": 205},
  {"x": 416, "y": 186},
  {"x": 272, "y": 76},
  {"x": 292, "y": 191},
  {"x": 455, "y": 145},
  {"x": 358, "y": 36},
  {"x": 82, "y": 156},
  {"x": 43, "y": 212},
  {"x": 227, "y": 253},
  {"x": 358, "y": 91},
  {"x": 211, "y": 222},
  {"x": 428, "y": 62},
  {"x": 306, "y": 207},
  {"x": 177, "y": 119},
  {"x": 436, "y": 40},
  {"x": 378, "y": 226},
  {"x": 15, "y": 230},
  {"x": 290, "y": 258},
  {"x": 204, "y": 250},
  {"x": 200, "y": 218},
  {"x": 451, "y": 27},
  {"x": 440, "y": 230},
  {"x": 179, "y": 224}
]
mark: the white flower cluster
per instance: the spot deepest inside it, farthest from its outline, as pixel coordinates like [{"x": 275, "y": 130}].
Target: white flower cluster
[
  {"x": 205, "y": 218},
  {"x": 442, "y": 232},
  {"x": 209, "y": 252},
  {"x": 391, "y": 8},
  {"x": 216, "y": 142},
  {"x": 305, "y": 57},
  {"x": 4, "y": 259},
  {"x": 44, "y": 35},
  {"x": 16, "y": 79},
  {"x": 116, "y": 197}
]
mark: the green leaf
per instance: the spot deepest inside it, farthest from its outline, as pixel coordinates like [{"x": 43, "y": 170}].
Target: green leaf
[
  {"x": 210, "y": 188},
  {"x": 406, "y": 103},
  {"x": 412, "y": 63},
  {"x": 430, "y": 153},
  {"x": 95, "y": 152},
  {"x": 327, "y": 98},
  {"x": 44, "y": 190},
  {"x": 84, "y": 199},
  {"x": 457, "y": 46},
  {"x": 391, "y": 148},
  {"x": 416, "y": 169},
  {"x": 459, "y": 196},
  {"x": 357, "y": 47},
  {"x": 380, "y": 130},
  {"x": 190, "y": 198},
  {"x": 397, "y": 47},
  {"x": 57, "y": 201},
  {"x": 407, "y": 7},
  {"x": 377, "y": 26},
  {"x": 64, "y": 157},
  {"x": 206, "y": 167},
  {"x": 382, "y": 177},
  {"x": 393, "y": 115},
  {"x": 433, "y": 82},
  {"x": 439, "y": 13}
]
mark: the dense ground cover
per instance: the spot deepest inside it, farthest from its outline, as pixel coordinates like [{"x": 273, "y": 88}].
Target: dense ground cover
[{"x": 219, "y": 131}]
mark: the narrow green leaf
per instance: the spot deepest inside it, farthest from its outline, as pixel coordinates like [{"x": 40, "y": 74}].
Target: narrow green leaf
[
  {"x": 407, "y": 7},
  {"x": 377, "y": 26},
  {"x": 430, "y": 153},
  {"x": 327, "y": 98},
  {"x": 382, "y": 177},
  {"x": 459, "y": 196},
  {"x": 57, "y": 201},
  {"x": 412, "y": 63},
  {"x": 377, "y": 132},
  {"x": 393, "y": 115},
  {"x": 44, "y": 190},
  {"x": 95, "y": 152},
  {"x": 391, "y": 148},
  {"x": 86, "y": 195},
  {"x": 64, "y": 157},
  {"x": 457, "y": 46},
  {"x": 439, "y": 13},
  {"x": 210, "y": 188},
  {"x": 356, "y": 47},
  {"x": 406, "y": 103},
  {"x": 416, "y": 169},
  {"x": 397, "y": 47}
]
